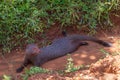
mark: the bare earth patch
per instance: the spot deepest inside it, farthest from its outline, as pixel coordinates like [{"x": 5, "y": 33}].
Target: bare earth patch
[
  {"x": 105, "y": 69},
  {"x": 100, "y": 69}
]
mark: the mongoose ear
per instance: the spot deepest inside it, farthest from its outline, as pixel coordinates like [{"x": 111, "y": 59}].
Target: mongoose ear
[{"x": 64, "y": 33}]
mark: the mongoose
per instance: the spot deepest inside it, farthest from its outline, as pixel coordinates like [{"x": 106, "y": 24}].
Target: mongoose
[{"x": 59, "y": 47}]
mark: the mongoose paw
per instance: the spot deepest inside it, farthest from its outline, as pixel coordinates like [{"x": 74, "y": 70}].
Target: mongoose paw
[{"x": 19, "y": 70}]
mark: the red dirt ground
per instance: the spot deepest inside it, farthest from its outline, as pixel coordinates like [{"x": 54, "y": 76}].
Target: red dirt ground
[{"x": 84, "y": 55}]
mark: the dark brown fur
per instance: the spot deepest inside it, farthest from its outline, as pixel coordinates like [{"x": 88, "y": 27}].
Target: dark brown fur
[{"x": 58, "y": 48}]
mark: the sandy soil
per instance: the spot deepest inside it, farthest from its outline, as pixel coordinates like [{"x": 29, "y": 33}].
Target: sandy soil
[{"x": 83, "y": 56}]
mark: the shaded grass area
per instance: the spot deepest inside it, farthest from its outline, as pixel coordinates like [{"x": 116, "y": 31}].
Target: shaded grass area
[{"x": 22, "y": 20}]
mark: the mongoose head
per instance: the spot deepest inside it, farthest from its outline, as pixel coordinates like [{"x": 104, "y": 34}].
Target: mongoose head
[{"x": 32, "y": 49}]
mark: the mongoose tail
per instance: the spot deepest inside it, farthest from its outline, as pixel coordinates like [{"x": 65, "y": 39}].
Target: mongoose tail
[{"x": 90, "y": 38}]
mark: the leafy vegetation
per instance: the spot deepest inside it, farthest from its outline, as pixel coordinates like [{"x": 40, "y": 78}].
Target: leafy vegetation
[
  {"x": 5, "y": 77},
  {"x": 34, "y": 70},
  {"x": 70, "y": 66},
  {"x": 105, "y": 52},
  {"x": 20, "y": 20}
]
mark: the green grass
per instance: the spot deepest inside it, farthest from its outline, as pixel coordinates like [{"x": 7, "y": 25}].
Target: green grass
[
  {"x": 32, "y": 71},
  {"x": 105, "y": 52},
  {"x": 22, "y": 20},
  {"x": 70, "y": 67},
  {"x": 19, "y": 20},
  {"x": 5, "y": 77}
]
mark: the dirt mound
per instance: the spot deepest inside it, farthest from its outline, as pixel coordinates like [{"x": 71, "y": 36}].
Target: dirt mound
[{"x": 105, "y": 69}]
